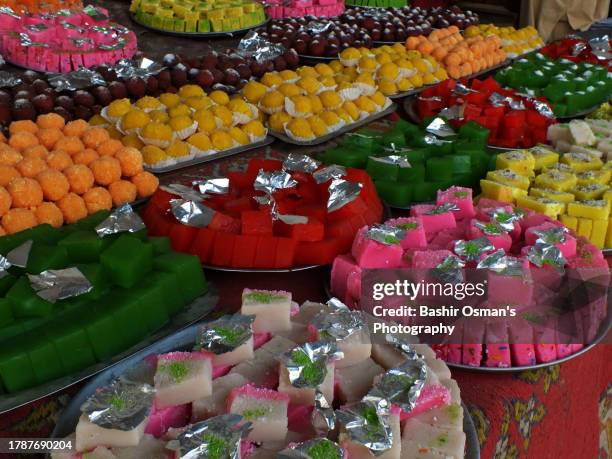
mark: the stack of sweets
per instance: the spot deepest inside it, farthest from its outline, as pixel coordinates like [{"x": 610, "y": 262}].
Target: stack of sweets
[
  {"x": 36, "y": 7},
  {"x": 577, "y": 50},
  {"x": 378, "y": 3},
  {"x": 297, "y": 8},
  {"x": 593, "y": 136},
  {"x": 278, "y": 399},
  {"x": 60, "y": 43},
  {"x": 514, "y": 42}
]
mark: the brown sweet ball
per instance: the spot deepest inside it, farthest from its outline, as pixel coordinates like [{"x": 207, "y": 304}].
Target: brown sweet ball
[
  {"x": 122, "y": 192},
  {"x": 50, "y": 120},
  {"x": 109, "y": 147},
  {"x": 49, "y": 137},
  {"x": 54, "y": 184},
  {"x": 98, "y": 198},
  {"x": 76, "y": 128},
  {"x": 59, "y": 160},
  {"x": 94, "y": 136},
  {"x": 130, "y": 160},
  {"x": 73, "y": 207},
  {"x": 26, "y": 192},
  {"x": 106, "y": 170},
  {"x": 31, "y": 167},
  {"x": 7, "y": 174},
  {"x": 37, "y": 151},
  {"x": 49, "y": 213},
  {"x": 5, "y": 201},
  {"x": 80, "y": 178},
  {"x": 22, "y": 140},
  {"x": 9, "y": 156},
  {"x": 146, "y": 183},
  {"x": 71, "y": 145},
  {"x": 16, "y": 220},
  {"x": 23, "y": 126},
  {"x": 85, "y": 157}
]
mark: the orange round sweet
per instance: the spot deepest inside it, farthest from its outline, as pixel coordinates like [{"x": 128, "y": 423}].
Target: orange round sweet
[
  {"x": 50, "y": 214},
  {"x": 122, "y": 192},
  {"x": 16, "y": 220},
  {"x": 50, "y": 120},
  {"x": 73, "y": 207},
  {"x": 109, "y": 147},
  {"x": 5, "y": 201},
  {"x": 23, "y": 126},
  {"x": 37, "y": 151},
  {"x": 85, "y": 157},
  {"x": 130, "y": 160},
  {"x": 106, "y": 170},
  {"x": 80, "y": 178},
  {"x": 76, "y": 128},
  {"x": 26, "y": 192},
  {"x": 453, "y": 29},
  {"x": 54, "y": 184},
  {"x": 31, "y": 167},
  {"x": 71, "y": 145},
  {"x": 425, "y": 48},
  {"x": 22, "y": 140},
  {"x": 452, "y": 59},
  {"x": 94, "y": 136},
  {"x": 412, "y": 43},
  {"x": 454, "y": 71},
  {"x": 98, "y": 198},
  {"x": 49, "y": 137},
  {"x": 439, "y": 53},
  {"x": 9, "y": 156},
  {"x": 59, "y": 160},
  {"x": 8, "y": 173},
  {"x": 146, "y": 183}
]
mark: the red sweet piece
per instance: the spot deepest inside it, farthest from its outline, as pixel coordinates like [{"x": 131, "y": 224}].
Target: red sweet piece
[
  {"x": 223, "y": 249},
  {"x": 181, "y": 236},
  {"x": 243, "y": 255},
  {"x": 256, "y": 222},
  {"x": 285, "y": 251},
  {"x": 202, "y": 244},
  {"x": 317, "y": 253},
  {"x": 265, "y": 254}
]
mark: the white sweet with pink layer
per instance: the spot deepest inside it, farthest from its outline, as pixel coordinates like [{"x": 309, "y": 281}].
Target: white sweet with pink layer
[
  {"x": 182, "y": 377},
  {"x": 90, "y": 435},
  {"x": 272, "y": 309}
]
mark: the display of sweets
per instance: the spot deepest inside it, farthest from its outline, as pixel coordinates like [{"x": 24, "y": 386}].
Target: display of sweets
[
  {"x": 515, "y": 42},
  {"x": 193, "y": 16},
  {"x": 523, "y": 255},
  {"x": 379, "y": 3},
  {"x": 174, "y": 128},
  {"x": 85, "y": 293},
  {"x": 603, "y": 112},
  {"x": 593, "y": 136},
  {"x": 409, "y": 164},
  {"x": 461, "y": 56},
  {"x": 569, "y": 87},
  {"x": 314, "y": 101},
  {"x": 273, "y": 215},
  {"x": 55, "y": 173},
  {"x": 60, "y": 43},
  {"x": 282, "y": 394},
  {"x": 513, "y": 120},
  {"x": 299, "y": 8},
  {"x": 36, "y": 7},
  {"x": 576, "y": 49}
]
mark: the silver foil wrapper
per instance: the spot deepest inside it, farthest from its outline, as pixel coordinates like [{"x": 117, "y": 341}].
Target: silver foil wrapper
[
  {"x": 79, "y": 79},
  {"x": 217, "y": 437},
  {"x": 19, "y": 255},
  {"x": 333, "y": 171},
  {"x": 600, "y": 45},
  {"x": 323, "y": 417},
  {"x": 335, "y": 304},
  {"x": 556, "y": 235},
  {"x": 386, "y": 234},
  {"x": 119, "y": 44},
  {"x": 338, "y": 324},
  {"x": 259, "y": 48},
  {"x": 95, "y": 13},
  {"x": 191, "y": 213},
  {"x": 123, "y": 219},
  {"x": 402, "y": 345},
  {"x": 316, "y": 27},
  {"x": 501, "y": 263},
  {"x": 363, "y": 423},
  {"x": 184, "y": 191},
  {"x": 439, "y": 126},
  {"x": 462, "y": 90},
  {"x": 218, "y": 185},
  {"x": 300, "y": 163},
  {"x": 58, "y": 284},
  {"x": 37, "y": 27},
  {"x": 515, "y": 104},
  {"x": 342, "y": 192},
  {"x": 578, "y": 48},
  {"x": 450, "y": 270},
  {"x": 453, "y": 113},
  {"x": 504, "y": 218},
  {"x": 226, "y": 333},
  {"x": 5, "y": 264},
  {"x": 307, "y": 364},
  {"x": 442, "y": 209},
  {"x": 304, "y": 450},
  {"x": 269, "y": 182},
  {"x": 122, "y": 405},
  {"x": 543, "y": 109},
  {"x": 142, "y": 68},
  {"x": 7, "y": 79},
  {"x": 472, "y": 250},
  {"x": 397, "y": 160},
  {"x": 399, "y": 386},
  {"x": 542, "y": 254},
  {"x": 26, "y": 41},
  {"x": 9, "y": 11},
  {"x": 496, "y": 99},
  {"x": 492, "y": 228}
]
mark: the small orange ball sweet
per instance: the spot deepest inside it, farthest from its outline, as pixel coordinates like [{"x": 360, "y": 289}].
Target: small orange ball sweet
[
  {"x": 98, "y": 198},
  {"x": 109, "y": 147},
  {"x": 50, "y": 120},
  {"x": 5, "y": 201},
  {"x": 122, "y": 192},
  {"x": 22, "y": 140},
  {"x": 31, "y": 167},
  {"x": 7, "y": 174},
  {"x": 37, "y": 151},
  {"x": 26, "y": 192},
  {"x": 94, "y": 136},
  {"x": 9, "y": 156},
  {"x": 130, "y": 160},
  {"x": 54, "y": 184},
  {"x": 73, "y": 207},
  {"x": 146, "y": 183},
  {"x": 49, "y": 137},
  {"x": 106, "y": 170},
  {"x": 71, "y": 145},
  {"x": 80, "y": 178},
  {"x": 50, "y": 214},
  {"x": 76, "y": 128},
  {"x": 16, "y": 220},
  {"x": 59, "y": 160},
  {"x": 85, "y": 157},
  {"x": 23, "y": 126}
]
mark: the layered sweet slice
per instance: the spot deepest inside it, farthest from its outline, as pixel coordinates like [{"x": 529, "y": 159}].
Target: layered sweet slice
[
  {"x": 182, "y": 377},
  {"x": 271, "y": 309}
]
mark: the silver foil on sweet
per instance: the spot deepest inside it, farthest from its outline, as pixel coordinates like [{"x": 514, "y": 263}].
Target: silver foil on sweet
[
  {"x": 439, "y": 126},
  {"x": 226, "y": 333},
  {"x": 5, "y": 264},
  {"x": 323, "y": 417},
  {"x": 307, "y": 364},
  {"x": 191, "y": 213},
  {"x": 26, "y": 41},
  {"x": 37, "y": 27},
  {"x": 259, "y": 48},
  {"x": 338, "y": 324},
  {"x": 453, "y": 113},
  {"x": 19, "y": 255},
  {"x": 450, "y": 270},
  {"x": 364, "y": 424},
  {"x": 492, "y": 228},
  {"x": 443, "y": 208},
  {"x": 335, "y": 304},
  {"x": 142, "y": 68},
  {"x": 501, "y": 263},
  {"x": 342, "y": 192},
  {"x": 8, "y": 80},
  {"x": 122, "y": 220},
  {"x": 333, "y": 171},
  {"x": 184, "y": 191},
  {"x": 95, "y": 13},
  {"x": 543, "y": 108},
  {"x": 216, "y": 437},
  {"x": 555, "y": 235},
  {"x": 504, "y": 218},
  {"x": 395, "y": 160},
  {"x": 462, "y": 90},
  {"x": 497, "y": 100},
  {"x": 316, "y": 27},
  {"x": 58, "y": 284},
  {"x": 9, "y": 12},
  {"x": 122, "y": 405},
  {"x": 578, "y": 48},
  {"x": 270, "y": 181},
  {"x": 472, "y": 250},
  {"x": 402, "y": 345},
  {"x": 399, "y": 386},
  {"x": 218, "y": 185},
  {"x": 301, "y": 450},
  {"x": 542, "y": 254},
  {"x": 600, "y": 45},
  {"x": 515, "y": 104},
  {"x": 296, "y": 162},
  {"x": 119, "y": 44},
  {"x": 79, "y": 79},
  {"x": 386, "y": 234}
]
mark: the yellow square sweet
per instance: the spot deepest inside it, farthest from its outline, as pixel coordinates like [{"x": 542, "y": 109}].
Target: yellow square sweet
[
  {"x": 556, "y": 180},
  {"x": 558, "y": 167},
  {"x": 544, "y": 206},
  {"x": 500, "y": 192},
  {"x": 601, "y": 177},
  {"x": 520, "y": 161},
  {"x": 585, "y": 226},
  {"x": 562, "y": 196},
  {"x": 594, "y": 209},
  {"x": 570, "y": 222},
  {"x": 582, "y": 161},
  {"x": 543, "y": 156},
  {"x": 598, "y": 233},
  {"x": 509, "y": 177},
  {"x": 592, "y": 191}
]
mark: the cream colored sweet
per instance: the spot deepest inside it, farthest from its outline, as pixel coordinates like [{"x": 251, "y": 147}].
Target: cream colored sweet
[
  {"x": 306, "y": 395},
  {"x": 262, "y": 369},
  {"x": 419, "y": 439},
  {"x": 356, "y": 348},
  {"x": 214, "y": 404},
  {"x": 239, "y": 354},
  {"x": 272, "y": 309},
  {"x": 354, "y": 382},
  {"x": 182, "y": 377},
  {"x": 359, "y": 451},
  {"x": 90, "y": 435}
]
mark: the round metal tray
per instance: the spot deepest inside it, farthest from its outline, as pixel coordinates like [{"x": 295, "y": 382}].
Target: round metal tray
[
  {"x": 316, "y": 59},
  {"x": 261, "y": 270}
]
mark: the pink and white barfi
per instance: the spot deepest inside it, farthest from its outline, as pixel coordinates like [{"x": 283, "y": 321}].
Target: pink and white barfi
[
  {"x": 182, "y": 377},
  {"x": 215, "y": 403},
  {"x": 272, "y": 309}
]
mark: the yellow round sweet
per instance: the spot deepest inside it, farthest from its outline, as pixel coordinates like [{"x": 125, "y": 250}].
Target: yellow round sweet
[
  {"x": 179, "y": 110},
  {"x": 300, "y": 128},
  {"x": 221, "y": 140},
  {"x": 159, "y": 116},
  {"x": 271, "y": 79},
  {"x": 343, "y": 78},
  {"x": 219, "y": 97},
  {"x": 368, "y": 64},
  {"x": 97, "y": 120},
  {"x": 254, "y": 128},
  {"x": 385, "y": 49},
  {"x": 178, "y": 149},
  {"x": 201, "y": 141},
  {"x": 421, "y": 65},
  {"x": 170, "y": 99},
  {"x": 331, "y": 118},
  {"x": 364, "y": 103},
  {"x": 343, "y": 115},
  {"x": 178, "y": 123},
  {"x": 239, "y": 135},
  {"x": 350, "y": 56},
  {"x": 206, "y": 121},
  {"x": 132, "y": 140},
  {"x": 224, "y": 114},
  {"x": 310, "y": 84},
  {"x": 351, "y": 109},
  {"x": 119, "y": 107},
  {"x": 331, "y": 100},
  {"x": 288, "y": 75},
  {"x": 307, "y": 70},
  {"x": 198, "y": 102},
  {"x": 191, "y": 90},
  {"x": 157, "y": 131},
  {"x": 301, "y": 106},
  {"x": 315, "y": 103},
  {"x": 273, "y": 101},
  {"x": 429, "y": 78},
  {"x": 405, "y": 65},
  {"x": 253, "y": 91},
  {"x": 378, "y": 98},
  {"x": 383, "y": 58},
  {"x": 114, "y": 133},
  {"x": 152, "y": 154},
  {"x": 416, "y": 80},
  {"x": 290, "y": 89},
  {"x": 336, "y": 66},
  {"x": 318, "y": 126},
  {"x": 398, "y": 48},
  {"x": 328, "y": 82},
  {"x": 135, "y": 119},
  {"x": 365, "y": 79},
  {"x": 351, "y": 73},
  {"x": 278, "y": 120},
  {"x": 324, "y": 70},
  {"x": 148, "y": 103},
  {"x": 404, "y": 84},
  {"x": 387, "y": 87},
  {"x": 389, "y": 71},
  {"x": 239, "y": 105}
]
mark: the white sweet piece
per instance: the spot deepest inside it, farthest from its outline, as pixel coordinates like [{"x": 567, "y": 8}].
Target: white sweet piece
[
  {"x": 386, "y": 355},
  {"x": 214, "y": 404},
  {"x": 272, "y": 309},
  {"x": 262, "y": 369},
  {"x": 581, "y": 133},
  {"x": 356, "y": 348},
  {"x": 424, "y": 350},
  {"x": 182, "y": 377},
  {"x": 306, "y": 395},
  {"x": 100, "y": 452},
  {"x": 298, "y": 333},
  {"x": 308, "y": 311},
  {"x": 359, "y": 451},
  {"x": 276, "y": 346},
  {"x": 453, "y": 387},
  {"x": 148, "y": 448},
  {"x": 419, "y": 438},
  {"x": 558, "y": 132},
  {"x": 90, "y": 435},
  {"x": 354, "y": 382},
  {"x": 447, "y": 416},
  {"x": 240, "y": 354},
  {"x": 438, "y": 367}
]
